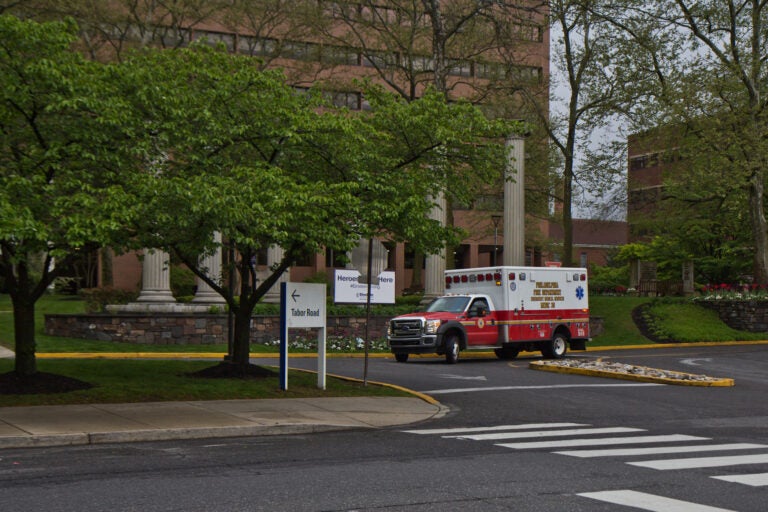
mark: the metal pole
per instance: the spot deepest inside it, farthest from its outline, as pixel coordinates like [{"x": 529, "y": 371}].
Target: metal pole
[{"x": 368, "y": 310}]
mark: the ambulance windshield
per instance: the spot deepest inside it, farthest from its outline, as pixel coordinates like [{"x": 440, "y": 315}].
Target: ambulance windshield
[{"x": 448, "y": 304}]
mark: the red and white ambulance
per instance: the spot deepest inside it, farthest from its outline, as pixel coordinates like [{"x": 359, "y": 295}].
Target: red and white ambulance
[{"x": 505, "y": 309}]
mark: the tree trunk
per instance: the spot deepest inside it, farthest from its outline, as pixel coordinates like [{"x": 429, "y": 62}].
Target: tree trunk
[
  {"x": 567, "y": 257},
  {"x": 241, "y": 349},
  {"x": 24, "y": 325},
  {"x": 759, "y": 228}
]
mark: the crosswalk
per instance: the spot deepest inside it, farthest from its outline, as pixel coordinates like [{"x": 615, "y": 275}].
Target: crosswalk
[{"x": 634, "y": 446}]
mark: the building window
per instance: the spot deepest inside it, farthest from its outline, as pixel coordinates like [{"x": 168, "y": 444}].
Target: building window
[
  {"x": 488, "y": 70},
  {"x": 533, "y": 33},
  {"x": 344, "y": 99},
  {"x": 256, "y": 46},
  {"x": 422, "y": 64},
  {"x": 638, "y": 162},
  {"x": 583, "y": 260},
  {"x": 460, "y": 68},
  {"x": 644, "y": 161},
  {"x": 340, "y": 55},
  {"x": 171, "y": 37},
  {"x": 375, "y": 59},
  {"x": 216, "y": 38},
  {"x": 526, "y": 74},
  {"x": 300, "y": 51}
]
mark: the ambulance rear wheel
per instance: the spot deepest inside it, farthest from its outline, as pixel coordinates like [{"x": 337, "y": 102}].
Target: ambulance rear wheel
[
  {"x": 556, "y": 347},
  {"x": 507, "y": 352},
  {"x": 452, "y": 349},
  {"x": 401, "y": 358}
]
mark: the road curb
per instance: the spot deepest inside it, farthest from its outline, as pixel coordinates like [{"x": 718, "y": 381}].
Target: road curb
[
  {"x": 135, "y": 436},
  {"x": 685, "y": 379}
]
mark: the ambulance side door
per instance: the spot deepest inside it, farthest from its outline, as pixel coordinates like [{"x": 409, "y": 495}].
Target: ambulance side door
[{"x": 481, "y": 324}]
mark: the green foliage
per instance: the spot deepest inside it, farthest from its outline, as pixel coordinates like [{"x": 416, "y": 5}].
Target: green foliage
[
  {"x": 409, "y": 300},
  {"x": 183, "y": 281},
  {"x": 608, "y": 279},
  {"x": 220, "y": 147},
  {"x": 97, "y": 299}
]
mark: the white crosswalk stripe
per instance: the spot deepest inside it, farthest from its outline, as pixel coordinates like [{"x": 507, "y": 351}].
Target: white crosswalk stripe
[
  {"x": 702, "y": 462},
  {"x": 600, "y": 441},
  {"x": 524, "y": 426},
  {"x": 548, "y": 433},
  {"x": 658, "y": 450},
  {"x": 755, "y": 480},
  {"x": 650, "y": 502}
]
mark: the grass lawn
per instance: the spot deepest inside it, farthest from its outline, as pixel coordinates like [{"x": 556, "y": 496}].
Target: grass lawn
[
  {"x": 682, "y": 321},
  {"x": 124, "y": 381},
  {"x": 616, "y": 312}
]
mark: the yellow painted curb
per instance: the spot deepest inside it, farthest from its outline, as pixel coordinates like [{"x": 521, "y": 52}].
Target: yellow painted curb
[
  {"x": 549, "y": 367},
  {"x": 677, "y": 345},
  {"x": 416, "y": 394}
]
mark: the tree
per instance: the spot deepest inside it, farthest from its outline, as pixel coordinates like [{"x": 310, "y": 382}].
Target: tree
[
  {"x": 703, "y": 68},
  {"x": 58, "y": 197},
  {"x": 585, "y": 53},
  {"x": 224, "y": 147}
]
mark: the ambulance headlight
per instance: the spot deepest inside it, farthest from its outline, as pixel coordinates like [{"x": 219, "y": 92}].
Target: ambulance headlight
[{"x": 431, "y": 326}]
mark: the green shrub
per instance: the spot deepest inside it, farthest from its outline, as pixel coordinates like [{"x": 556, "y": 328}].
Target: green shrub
[
  {"x": 183, "y": 281},
  {"x": 608, "y": 280},
  {"x": 409, "y": 300},
  {"x": 97, "y": 299}
]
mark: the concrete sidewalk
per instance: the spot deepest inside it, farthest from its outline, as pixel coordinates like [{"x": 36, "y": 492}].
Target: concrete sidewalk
[{"x": 59, "y": 425}]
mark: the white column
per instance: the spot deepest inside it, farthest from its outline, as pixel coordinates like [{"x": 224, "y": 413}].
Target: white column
[
  {"x": 274, "y": 257},
  {"x": 155, "y": 277},
  {"x": 212, "y": 266},
  {"x": 434, "y": 273},
  {"x": 514, "y": 203}
]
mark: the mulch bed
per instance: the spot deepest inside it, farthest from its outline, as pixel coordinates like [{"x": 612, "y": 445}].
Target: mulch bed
[{"x": 39, "y": 383}]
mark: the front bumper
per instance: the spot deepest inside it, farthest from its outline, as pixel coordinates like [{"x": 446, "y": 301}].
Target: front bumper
[{"x": 413, "y": 345}]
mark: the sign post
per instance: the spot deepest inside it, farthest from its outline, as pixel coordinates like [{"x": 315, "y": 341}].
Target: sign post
[{"x": 302, "y": 305}]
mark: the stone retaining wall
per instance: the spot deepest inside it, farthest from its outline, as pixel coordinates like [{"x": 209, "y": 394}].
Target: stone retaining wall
[
  {"x": 197, "y": 329},
  {"x": 193, "y": 329},
  {"x": 742, "y": 315}
]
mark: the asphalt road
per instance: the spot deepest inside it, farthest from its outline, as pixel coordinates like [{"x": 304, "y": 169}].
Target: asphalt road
[{"x": 515, "y": 439}]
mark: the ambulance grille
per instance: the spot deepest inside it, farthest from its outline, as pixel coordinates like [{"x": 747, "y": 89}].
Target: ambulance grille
[{"x": 406, "y": 327}]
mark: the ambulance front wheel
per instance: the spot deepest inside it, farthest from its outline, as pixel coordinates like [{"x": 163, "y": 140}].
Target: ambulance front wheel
[
  {"x": 452, "y": 349},
  {"x": 401, "y": 358},
  {"x": 556, "y": 347}
]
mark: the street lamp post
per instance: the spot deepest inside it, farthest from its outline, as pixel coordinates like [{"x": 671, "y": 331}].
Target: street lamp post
[{"x": 496, "y": 220}]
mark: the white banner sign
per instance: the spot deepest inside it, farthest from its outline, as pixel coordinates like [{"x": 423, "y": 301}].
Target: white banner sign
[{"x": 347, "y": 289}]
